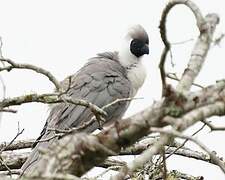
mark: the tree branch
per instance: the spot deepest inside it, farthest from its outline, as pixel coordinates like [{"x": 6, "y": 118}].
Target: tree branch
[
  {"x": 13, "y": 65},
  {"x": 163, "y": 33},
  {"x": 206, "y": 27},
  {"x": 50, "y": 99}
]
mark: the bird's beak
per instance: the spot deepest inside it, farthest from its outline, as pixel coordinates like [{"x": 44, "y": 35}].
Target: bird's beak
[{"x": 145, "y": 49}]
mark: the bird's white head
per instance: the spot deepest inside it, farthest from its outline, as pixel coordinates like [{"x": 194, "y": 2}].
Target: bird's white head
[{"x": 134, "y": 46}]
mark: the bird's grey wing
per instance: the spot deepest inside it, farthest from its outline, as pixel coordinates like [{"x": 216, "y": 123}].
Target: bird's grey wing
[{"x": 100, "y": 81}]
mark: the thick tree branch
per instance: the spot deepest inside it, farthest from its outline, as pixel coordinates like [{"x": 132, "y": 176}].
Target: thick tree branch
[
  {"x": 199, "y": 52},
  {"x": 19, "y": 157},
  {"x": 113, "y": 138},
  {"x": 206, "y": 27}
]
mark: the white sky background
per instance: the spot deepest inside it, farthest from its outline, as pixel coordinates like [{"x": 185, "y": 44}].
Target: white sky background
[{"x": 60, "y": 35}]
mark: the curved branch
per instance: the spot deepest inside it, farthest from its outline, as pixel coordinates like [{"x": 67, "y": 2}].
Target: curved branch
[
  {"x": 206, "y": 27},
  {"x": 163, "y": 33},
  {"x": 40, "y": 70}
]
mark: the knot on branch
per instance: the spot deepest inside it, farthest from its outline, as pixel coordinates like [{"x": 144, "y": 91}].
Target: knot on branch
[{"x": 174, "y": 102}]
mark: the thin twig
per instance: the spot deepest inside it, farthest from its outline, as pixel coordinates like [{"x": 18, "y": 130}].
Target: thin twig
[
  {"x": 218, "y": 40},
  {"x": 182, "y": 42},
  {"x": 201, "y": 145},
  {"x": 212, "y": 127},
  {"x": 5, "y": 165},
  {"x": 92, "y": 120},
  {"x": 120, "y": 100},
  {"x": 173, "y": 76},
  {"x": 164, "y": 164},
  {"x": 50, "y": 138},
  {"x": 17, "y": 135},
  {"x": 182, "y": 145}
]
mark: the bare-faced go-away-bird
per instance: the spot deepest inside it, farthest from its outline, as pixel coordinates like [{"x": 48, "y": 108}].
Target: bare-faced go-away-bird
[{"x": 102, "y": 80}]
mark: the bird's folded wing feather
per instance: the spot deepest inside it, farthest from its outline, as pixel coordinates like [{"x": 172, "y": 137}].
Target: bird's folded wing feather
[{"x": 100, "y": 81}]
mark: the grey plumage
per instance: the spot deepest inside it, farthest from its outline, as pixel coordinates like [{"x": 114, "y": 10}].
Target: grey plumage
[{"x": 103, "y": 79}]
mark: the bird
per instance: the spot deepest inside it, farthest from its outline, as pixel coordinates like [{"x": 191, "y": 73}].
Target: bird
[{"x": 103, "y": 79}]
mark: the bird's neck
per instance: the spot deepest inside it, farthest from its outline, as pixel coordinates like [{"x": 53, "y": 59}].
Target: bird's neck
[{"x": 136, "y": 72}]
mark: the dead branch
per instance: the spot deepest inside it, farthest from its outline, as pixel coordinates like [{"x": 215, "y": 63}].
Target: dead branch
[
  {"x": 206, "y": 27},
  {"x": 179, "y": 175},
  {"x": 212, "y": 127},
  {"x": 11, "y": 142},
  {"x": 13, "y": 65},
  {"x": 183, "y": 144},
  {"x": 174, "y": 77},
  {"x": 175, "y": 133},
  {"x": 218, "y": 40},
  {"x": 19, "y": 157},
  {"x": 49, "y": 99},
  {"x": 16, "y": 145},
  {"x": 123, "y": 133},
  {"x": 163, "y": 33}
]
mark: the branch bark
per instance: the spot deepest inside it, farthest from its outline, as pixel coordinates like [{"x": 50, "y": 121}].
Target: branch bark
[{"x": 206, "y": 27}]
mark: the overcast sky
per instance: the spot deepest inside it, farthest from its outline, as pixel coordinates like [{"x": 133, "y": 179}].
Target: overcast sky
[{"x": 61, "y": 35}]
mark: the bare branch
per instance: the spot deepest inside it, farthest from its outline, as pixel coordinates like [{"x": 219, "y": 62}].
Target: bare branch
[
  {"x": 212, "y": 155},
  {"x": 11, "y": 142},
  {"x": 218, "y": 40},
  {"x": 174, "y": 77},
  {"x": 1, "y": 160},
  {"x": 212, "y": 127},
  {"x": 22, "y": 144},
  {"x": 55, "y": 176},
  {"x": 13, "y": 65},
  {"x": 182, "y": 145},
  {"x": 198, "y": 55},
  {"x": 206, "y": 27},
  {"x": 50, "y": 99},
  {"x": 90, "y": 122},
  {"x": 163, "y": 33},
  {"x": 13, "y": 171},
  {"x": 176, "y": 174},
  {"x": 182, "y": 42},
  {"x": 15, "y": 160},
  {"x": 123, "y": 133}
]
